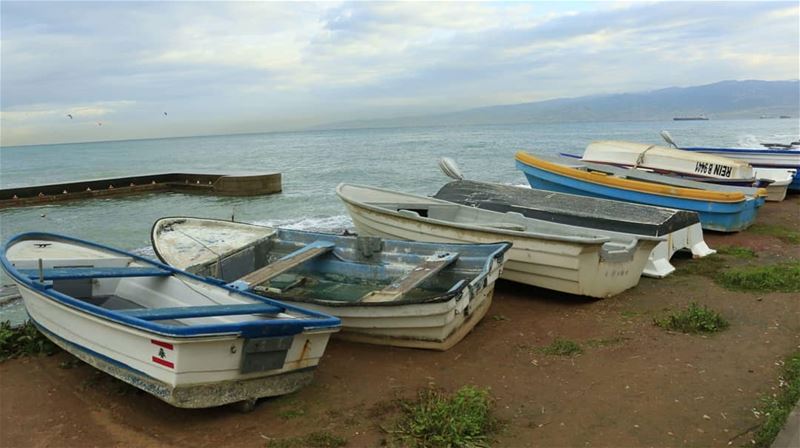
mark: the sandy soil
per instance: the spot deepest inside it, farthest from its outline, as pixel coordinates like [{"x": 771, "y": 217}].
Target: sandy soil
[{"x": 634, "y": 385}]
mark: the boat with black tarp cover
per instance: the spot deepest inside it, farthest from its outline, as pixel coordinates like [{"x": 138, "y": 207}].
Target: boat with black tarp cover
[{"x": 681, "y": 226}]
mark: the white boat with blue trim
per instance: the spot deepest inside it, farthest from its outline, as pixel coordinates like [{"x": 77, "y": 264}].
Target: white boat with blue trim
[
  {"x": 187, "y": 340},
  {"x": 399, "y": 293}
]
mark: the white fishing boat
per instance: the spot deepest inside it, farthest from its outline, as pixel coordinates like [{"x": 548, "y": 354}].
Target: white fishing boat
[
  {"x": 670, "y": 161},
  {"x": 187, "y": 340},
  {"x": 549, "y": 255},
  {"x": 399, "y": 293}
]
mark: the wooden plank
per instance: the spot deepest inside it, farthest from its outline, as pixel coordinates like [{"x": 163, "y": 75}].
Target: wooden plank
[
  {"x": 289, "y": 261},
  {"x": 419, "y": 274},
  {"x": 188, "y": 312},
  {"x": 67, "y": 273}
]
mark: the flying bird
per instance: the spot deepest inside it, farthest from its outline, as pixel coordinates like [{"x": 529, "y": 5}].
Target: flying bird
[
  {"x": 70, "y": 116},
  {"x": 99, "y": 123},
  {"x": 165, "y": 114}
]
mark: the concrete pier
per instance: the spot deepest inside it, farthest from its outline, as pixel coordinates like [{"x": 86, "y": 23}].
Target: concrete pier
[{"x": 235, "y": 184}]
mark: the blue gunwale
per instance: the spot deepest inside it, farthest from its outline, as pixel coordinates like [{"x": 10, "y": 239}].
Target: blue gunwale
[{"x": 256, "y": 328}]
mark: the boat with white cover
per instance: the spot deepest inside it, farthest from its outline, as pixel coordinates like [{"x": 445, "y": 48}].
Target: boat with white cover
[
  {"x": 771, "y": 155},
  {"x": 399, "y": 293},
  {"x": 670, "y": 161},
  {"x": 187, "y": 340},
  {"x": 616, "y": 219},
  {"x": 555, "y": 256}
]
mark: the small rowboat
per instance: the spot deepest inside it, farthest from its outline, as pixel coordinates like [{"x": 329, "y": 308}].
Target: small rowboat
[
  {"x": 615, "y": 219},
  {"x": 720, "y": 207},
  {"x": 396, "y": 293},
  {"x": 189, "y": 341},
  {"x": 549, "y": 255}
]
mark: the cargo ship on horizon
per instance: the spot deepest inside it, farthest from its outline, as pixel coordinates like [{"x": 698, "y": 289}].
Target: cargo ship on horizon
[{"x": 696, "y": 118}]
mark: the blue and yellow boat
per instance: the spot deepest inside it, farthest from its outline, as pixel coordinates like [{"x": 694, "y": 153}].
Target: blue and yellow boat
[{"x": 721, "y": 208}]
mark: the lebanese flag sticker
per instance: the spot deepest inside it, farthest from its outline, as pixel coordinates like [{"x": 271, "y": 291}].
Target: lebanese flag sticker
[{"x": 165, "y": 349}]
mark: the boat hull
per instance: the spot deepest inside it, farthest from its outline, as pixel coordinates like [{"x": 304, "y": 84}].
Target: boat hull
[
  {"x": 185, "y": 378},
  {"x": 718, "y": 216},
  {"x": 571, "y": 267}
]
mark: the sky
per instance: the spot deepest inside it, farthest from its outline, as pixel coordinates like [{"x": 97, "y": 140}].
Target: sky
[{"x": 126, "y": 70}]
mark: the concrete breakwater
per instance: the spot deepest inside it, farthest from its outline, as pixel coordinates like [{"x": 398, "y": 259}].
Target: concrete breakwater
[{"x": 235, "y": 184}]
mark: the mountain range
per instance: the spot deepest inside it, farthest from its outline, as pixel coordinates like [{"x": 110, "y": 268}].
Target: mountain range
[{"x": 720, "y": 100}]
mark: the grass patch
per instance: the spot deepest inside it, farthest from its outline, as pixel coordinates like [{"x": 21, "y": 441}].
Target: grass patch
[
  {"x": 318, "y": 439},
  {"x": 436, "y": 420},
  {"x": 23, "y": 340},
  {"x": 562, "y": 347},
  {"x": 780, "y": 232},
  {"x": 694, "y": 319},
  {"x": 737, "y": 252},
  {"x": 291, "y": 413},
  {"x": 784, "y": 277},
  {"x": 777, "y": 407},
  {"x": 708, "y": 266}
]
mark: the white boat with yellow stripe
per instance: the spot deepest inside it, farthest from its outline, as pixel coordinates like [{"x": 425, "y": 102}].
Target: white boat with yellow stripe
[
  {"x": 399, "y": 293},
  {"x": 560, "y": 257},
  {"x": 189, "y": 341},
  {"x": 720, "y": 207}
]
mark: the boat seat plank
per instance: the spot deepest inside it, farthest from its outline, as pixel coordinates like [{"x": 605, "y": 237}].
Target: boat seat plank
[
  {"x": 287, "y": 262},
  {"x": 428, "y": 268},
  {"x": 188, "y": 312},
  {"x": 69, "y": 273}
]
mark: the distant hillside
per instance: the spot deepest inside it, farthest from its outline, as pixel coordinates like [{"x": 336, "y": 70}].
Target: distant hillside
[{"x": 721, "y": 100}]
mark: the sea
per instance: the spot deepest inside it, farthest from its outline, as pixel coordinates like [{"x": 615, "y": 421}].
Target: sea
[{"x": 312, "y": 163}]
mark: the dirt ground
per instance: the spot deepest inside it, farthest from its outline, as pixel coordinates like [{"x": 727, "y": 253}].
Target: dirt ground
[{"x": 634, "y": 385}]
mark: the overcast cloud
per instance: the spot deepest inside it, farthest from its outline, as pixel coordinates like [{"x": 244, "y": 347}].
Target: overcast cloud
[{"x": 226, "y": 67}]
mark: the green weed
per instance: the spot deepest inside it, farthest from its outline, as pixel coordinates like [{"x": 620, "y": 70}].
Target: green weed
[
  {"x": 777, "y": 407},
  {"x": 694, "y": 319},
  {"x": 291, "y": 413},
  {"x": 23, "y": 340},
  {"x": 737, "y": 252},
  {"x": 436, "y": 420},
  {"x": 784, "y": 277},
  {"x": 562, "y": 347}
]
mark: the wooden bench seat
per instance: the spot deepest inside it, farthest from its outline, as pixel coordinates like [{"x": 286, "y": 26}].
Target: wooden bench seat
[{"x": 399, "y": 288}]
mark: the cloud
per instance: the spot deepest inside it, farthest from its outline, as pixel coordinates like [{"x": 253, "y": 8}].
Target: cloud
[{"x": 281, "y": 64}]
